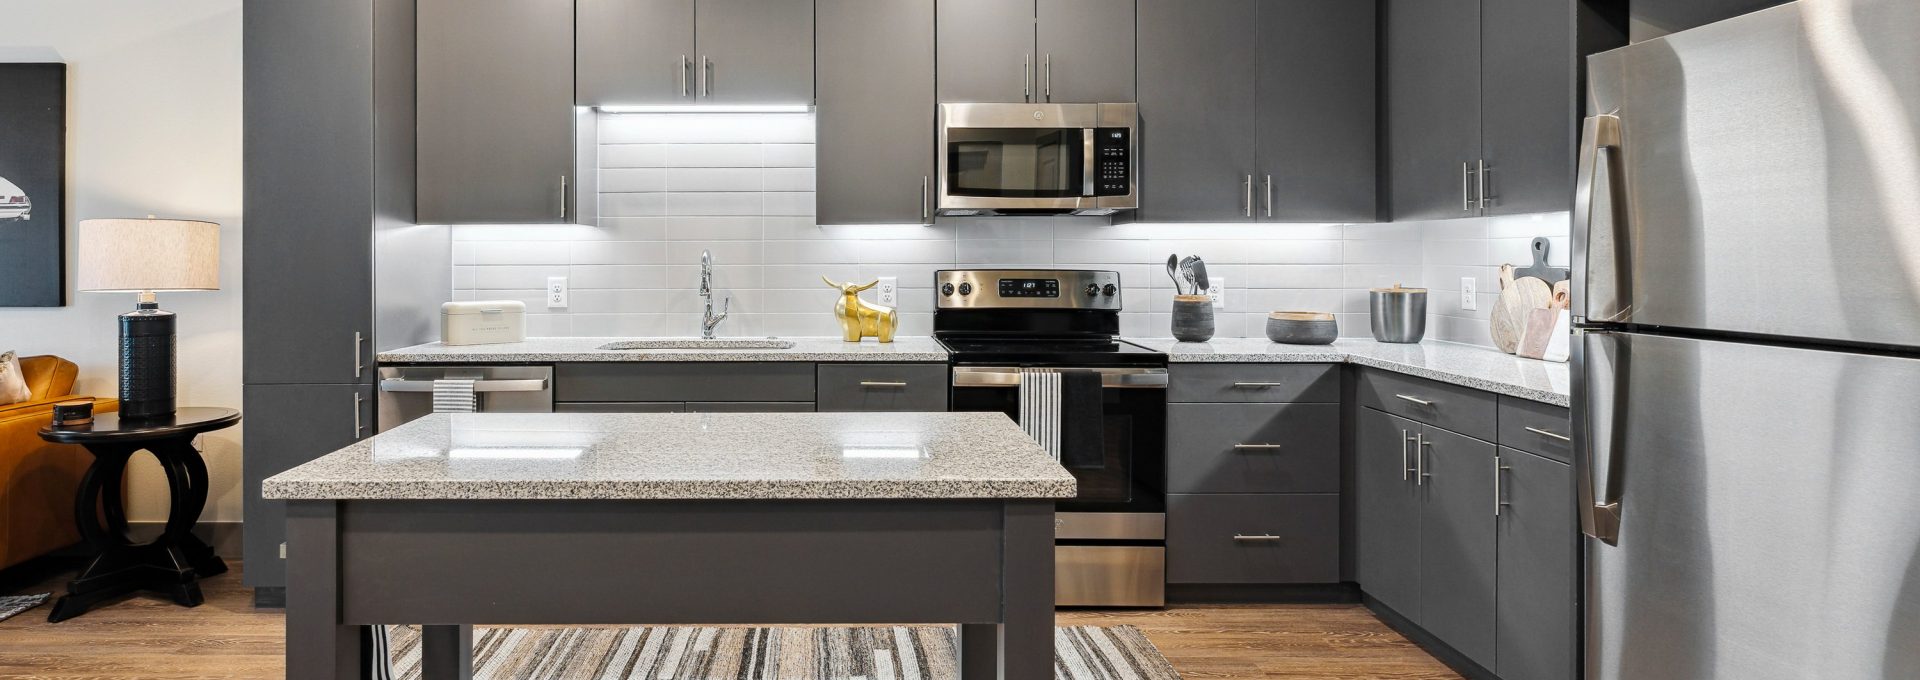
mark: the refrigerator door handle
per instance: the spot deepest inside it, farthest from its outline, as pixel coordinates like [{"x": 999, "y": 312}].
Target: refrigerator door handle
[
  {"x": 1600, "y": 141},
  {"x": 1600, "y": 510}
]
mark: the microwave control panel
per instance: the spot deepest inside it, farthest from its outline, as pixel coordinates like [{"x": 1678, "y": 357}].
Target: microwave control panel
[{"x": 1113, "y": 161}]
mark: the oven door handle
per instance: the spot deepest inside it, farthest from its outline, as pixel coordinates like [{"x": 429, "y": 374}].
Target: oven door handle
[{"x": 1009, "y": 376}]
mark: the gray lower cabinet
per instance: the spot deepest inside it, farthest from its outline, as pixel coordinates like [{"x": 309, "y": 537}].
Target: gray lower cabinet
[
  {"x": 1085, "y": 50},
  {"x": 985, "y": 50},
  {"x": 1536, "y": 618},
  {"x": 749, "y": 406},
  {"x": 683, "y": 382},
  {"x": 633, "y": 52},
  {"x": 882, "y": 387},
  {"x": 1431, "y": 134},
  {"x": 1255, "y": 383},
  {"x": 1198, "y": 64},
  {"x": 288, "y": 425},
  {"x": 496, "y": 110},
  {"x": 1457, "y": 542},
  {"x": 1253, "y": 448},
  {"x": 620, "y": 407},
  {"x": 874, "y": 116},
  {"x": 1387, "y": 508},
  {"x": 1316, "y": 129},
  {"x": 1253, "y": 538}
]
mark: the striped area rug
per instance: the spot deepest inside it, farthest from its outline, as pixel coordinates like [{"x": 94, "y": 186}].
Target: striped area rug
[{"x": 702, "y": 653}]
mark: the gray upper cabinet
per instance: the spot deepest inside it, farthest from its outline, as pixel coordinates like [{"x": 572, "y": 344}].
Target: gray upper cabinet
[
  {"x": 1431, "y": 137},
  {"x": 1198, "y": 60},
  {"x": 1457, "y": 542},
  {"x": 1536, "y": 629},
  {"x": 874, "y": 119},
  {"x": 1316, "y": 137},
  {"x": 1527, "y": 104},
  {"x": 496, "y": 133},
  {"x": 986, "y": 50},
  {"x": 1387, "y": 506},
  {"x": 754, "y": 51},
  {"x": 634, "y": 52},
  {"x": 1085, "y": 50}
]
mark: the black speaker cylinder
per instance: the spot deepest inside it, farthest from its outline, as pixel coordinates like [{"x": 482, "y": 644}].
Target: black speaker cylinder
[{"x": 146, "y": 364}]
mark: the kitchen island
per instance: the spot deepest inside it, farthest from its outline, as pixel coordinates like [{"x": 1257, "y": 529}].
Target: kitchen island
[{"x": 677, "y": 518}]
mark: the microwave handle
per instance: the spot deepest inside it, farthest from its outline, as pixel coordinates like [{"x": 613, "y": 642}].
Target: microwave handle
[{"x": 1087, "y": 168}]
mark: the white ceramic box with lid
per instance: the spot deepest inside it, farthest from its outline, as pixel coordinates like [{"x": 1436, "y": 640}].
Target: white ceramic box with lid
[{"x": 483, "y": 322}]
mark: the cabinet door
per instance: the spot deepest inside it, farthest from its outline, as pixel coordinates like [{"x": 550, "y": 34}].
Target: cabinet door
[
  {"x": 288, "y": 425},
  {"x": 1253, "y": 538},
  {"x": 986, "y": 51},
  {"x": 1457, "y": 544},
  {"x": 1197, "y": 64},
  {"x": 1253, "y": 448},
  {"x": 309, "y": 192},
  {"x": 875, "y": 117},
  {"x": 1535, "y": 622},
  {"x": 1432, "y": 106},
  {"x": 1388, "y": 511},
  {"x": 754, "y": 52},
  {"x": 1317, "y": 156},
  {"x": 633, "y": 52},
  {"x": 1527, "y": 115},
  {"x": 1085, "y": 50},
  {"x": 495, "y": 94}
]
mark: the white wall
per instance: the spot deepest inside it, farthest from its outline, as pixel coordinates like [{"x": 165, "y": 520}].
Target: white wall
[
  {"x": 153, "y": 115},
  {"x": 1475, "y": 248}
]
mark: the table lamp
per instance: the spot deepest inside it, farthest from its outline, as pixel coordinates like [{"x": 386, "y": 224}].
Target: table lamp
[{"x": 145, "y": 256}]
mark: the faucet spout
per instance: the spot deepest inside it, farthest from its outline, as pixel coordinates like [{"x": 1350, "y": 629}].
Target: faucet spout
[{"x": 708, "y": 319}]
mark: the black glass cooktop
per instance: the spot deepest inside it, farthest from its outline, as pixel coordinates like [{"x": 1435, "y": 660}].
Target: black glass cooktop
[{"x": 1055, "y": 351}]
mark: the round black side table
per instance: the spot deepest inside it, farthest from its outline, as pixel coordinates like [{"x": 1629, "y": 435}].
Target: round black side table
[{"x": 175, "y": 561}]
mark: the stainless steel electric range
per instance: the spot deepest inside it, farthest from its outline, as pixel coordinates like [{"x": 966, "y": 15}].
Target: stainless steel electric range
[{"x": 1041, "y": 347}]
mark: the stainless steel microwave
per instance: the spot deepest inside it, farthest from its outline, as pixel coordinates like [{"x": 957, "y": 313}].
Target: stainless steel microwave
[{"x": 1038, "y": 159}]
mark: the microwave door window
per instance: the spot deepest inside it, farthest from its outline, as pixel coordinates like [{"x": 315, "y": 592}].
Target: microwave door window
[{"x": 1014, "y": 162}]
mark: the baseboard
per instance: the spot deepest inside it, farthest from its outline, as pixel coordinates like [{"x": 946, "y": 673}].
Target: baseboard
[
  {"x": 272, "y": 597},
  {"x": 1262, "y": 593},
  {"x": 1440, "y": 650},
  {"x": 223, "y": 536}
]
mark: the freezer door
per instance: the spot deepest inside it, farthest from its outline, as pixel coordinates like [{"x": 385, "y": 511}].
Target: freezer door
[
  {"x": 1768, "y": 506},
  {"x": 1758, "y": 175}
]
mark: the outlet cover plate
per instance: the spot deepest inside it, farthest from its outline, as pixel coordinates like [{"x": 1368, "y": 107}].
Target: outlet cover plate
[
  {"x": 556, "y": 292},
  {"x": 1217, "y": 291},
  {"x": 1469, "y": 293},
  {"x": 889, "y": 291}
]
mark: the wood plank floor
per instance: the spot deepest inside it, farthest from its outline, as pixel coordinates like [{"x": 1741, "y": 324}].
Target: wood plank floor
[{"x": 148, "y": 638}]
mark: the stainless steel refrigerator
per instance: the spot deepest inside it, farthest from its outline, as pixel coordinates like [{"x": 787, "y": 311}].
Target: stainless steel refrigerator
[{"x": 1747, "y": 359}]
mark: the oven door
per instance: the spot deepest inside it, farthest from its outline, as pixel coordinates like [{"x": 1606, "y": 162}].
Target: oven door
[
  {"x": 1033, "y": 159},
  {"x": 1129, "y": 473}
]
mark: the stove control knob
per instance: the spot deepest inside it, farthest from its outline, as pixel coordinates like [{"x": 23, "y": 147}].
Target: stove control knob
[
  {"x": 1110, "y": 290},
  {"x": 1093, "y": 289},
  {"x": 966, "y": 288},
  {"x": 946, "y": 289}
]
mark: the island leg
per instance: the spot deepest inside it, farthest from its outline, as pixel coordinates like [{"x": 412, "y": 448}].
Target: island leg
[
  {"x": 319, "y": 646},
  {"x": 446, "y": 652},
  {"x": 1021, "y": 646}
]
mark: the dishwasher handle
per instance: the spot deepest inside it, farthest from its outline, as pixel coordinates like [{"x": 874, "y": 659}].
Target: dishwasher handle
[{"x": 523, "y": 385}]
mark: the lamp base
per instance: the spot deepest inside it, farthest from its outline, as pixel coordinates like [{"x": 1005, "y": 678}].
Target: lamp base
[{"x": 146, "y": 363}]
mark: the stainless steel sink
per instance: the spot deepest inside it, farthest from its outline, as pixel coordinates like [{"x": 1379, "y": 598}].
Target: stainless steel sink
[{"x": 700, "y": 344}]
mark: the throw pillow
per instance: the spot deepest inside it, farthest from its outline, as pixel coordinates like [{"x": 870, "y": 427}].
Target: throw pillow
[{"x": 13, "y": 384}]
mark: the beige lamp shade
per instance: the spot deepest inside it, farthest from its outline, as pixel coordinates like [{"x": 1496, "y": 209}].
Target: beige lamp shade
[{"x": 141, "y": 255}]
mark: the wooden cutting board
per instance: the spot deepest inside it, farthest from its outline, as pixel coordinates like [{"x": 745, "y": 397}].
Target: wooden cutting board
[
  {"x": 1542, "y": 324},
  {"x": 1518, "y": 297}
]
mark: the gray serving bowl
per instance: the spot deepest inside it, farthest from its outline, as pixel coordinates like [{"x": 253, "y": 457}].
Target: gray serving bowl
[{"x": 1302, "y": 328}]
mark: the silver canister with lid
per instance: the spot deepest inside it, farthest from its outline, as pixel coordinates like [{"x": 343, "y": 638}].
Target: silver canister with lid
[{"x": 1398, "y": 314}]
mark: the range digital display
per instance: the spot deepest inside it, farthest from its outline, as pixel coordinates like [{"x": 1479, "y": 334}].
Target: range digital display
[{"x": 1040, "y": 288}]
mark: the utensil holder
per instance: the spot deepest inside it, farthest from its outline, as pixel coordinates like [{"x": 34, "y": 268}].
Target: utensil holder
[{"x": 1192, "y": 318}]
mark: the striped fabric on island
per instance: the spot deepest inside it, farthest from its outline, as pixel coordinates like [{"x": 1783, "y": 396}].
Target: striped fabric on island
[{"x": 715, "y": 653}]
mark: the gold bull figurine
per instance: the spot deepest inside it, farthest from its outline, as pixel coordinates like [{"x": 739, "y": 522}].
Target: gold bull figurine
[{"x": 859, "y": 319}]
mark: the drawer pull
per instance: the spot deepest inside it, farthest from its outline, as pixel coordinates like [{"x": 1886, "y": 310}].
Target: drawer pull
[
  {"x": 882, "y": 383},
  {"x": 1255, "y": 537},
  {"x": 1415, "y": 400},
  {"x": 1545, "y": 433},
  {"x": 1254, "y": 385},
  {"x": 1256, "y": 447}
]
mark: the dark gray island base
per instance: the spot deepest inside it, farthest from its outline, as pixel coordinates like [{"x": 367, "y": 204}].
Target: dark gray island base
[{"x": 956, "y": 527}]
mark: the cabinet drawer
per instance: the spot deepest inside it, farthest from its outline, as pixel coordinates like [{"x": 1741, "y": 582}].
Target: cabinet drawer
[
  {"x": 1253, "y": 538},
  {"x": 882, "y": 387},
  {"x": 676, "y": 381},
  {"x": 1253, "y": 448},
  {"x": 1541, "y": 429},
  {"x": 749, "y": 406},
  {"x": 1254, "y": 383},
  {"x": 1461, "y": 409},
  {"x": 620, "y": 407}
]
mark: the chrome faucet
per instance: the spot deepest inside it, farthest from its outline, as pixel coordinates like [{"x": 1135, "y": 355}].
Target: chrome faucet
[{"x": 709, "y": 319}]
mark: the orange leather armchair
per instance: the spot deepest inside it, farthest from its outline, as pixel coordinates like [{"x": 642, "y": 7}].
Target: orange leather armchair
[{"x": 37, "y": 479}]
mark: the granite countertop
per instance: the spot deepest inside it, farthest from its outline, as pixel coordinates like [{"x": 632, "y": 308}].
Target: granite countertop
[
  {"x": 1481, "y": 368},
  {"x": 547, "y": 350},
  {"x": 745, "y": 456}
]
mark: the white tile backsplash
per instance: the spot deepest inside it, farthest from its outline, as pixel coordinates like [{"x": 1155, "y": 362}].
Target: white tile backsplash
[{"x": 741, "y": 186}]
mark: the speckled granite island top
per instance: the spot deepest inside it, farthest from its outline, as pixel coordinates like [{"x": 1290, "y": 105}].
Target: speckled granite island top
[
  {"x": 550, "y": 350},
  {"x": 1480, "y": 368},
  {"x": 735, "y": 456}
]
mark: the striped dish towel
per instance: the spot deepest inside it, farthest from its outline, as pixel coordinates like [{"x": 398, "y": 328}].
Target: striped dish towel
[{"x": 453, "y": 396}]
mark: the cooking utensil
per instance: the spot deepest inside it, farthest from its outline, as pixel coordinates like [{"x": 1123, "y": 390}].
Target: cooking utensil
[
  {"x": 1186, "y": 274},
  {"x": 1519, "y": 295},
  {"x": 1398, "y": 314},
  {"x": 1302, "y": 328},
  {"x": 1173, "y": 266},
  {"x": 1200, "y": 281},
  {"x": 1540, "y": 270}
]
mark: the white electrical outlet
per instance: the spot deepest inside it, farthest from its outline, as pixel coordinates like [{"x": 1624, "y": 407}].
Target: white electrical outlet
[
  {"x": 556, "y": 292},
  {"x": 1469, "y": 293},
  {"x": 889, "y": 290},
  {"x": 1217, "y": 291}
]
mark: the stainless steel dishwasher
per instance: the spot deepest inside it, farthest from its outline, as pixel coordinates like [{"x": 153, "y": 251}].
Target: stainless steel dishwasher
[{"x": 406, "y": 392}]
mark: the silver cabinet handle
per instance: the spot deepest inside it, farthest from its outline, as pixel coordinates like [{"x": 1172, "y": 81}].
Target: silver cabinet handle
[
  {"x": 1256, "y": 447},
  {"x": 926, "y": 217},
  {"x": 1257, "y": 384},
  {"x": 1545, "y": 433},
  {"x": 1269, "y": 195},
  {"x": 1255, "y": 537},
  {"x": 1026, "y": 76},
  {"x": 1482, "y": 176},
  {"x": 1049, "y": 81},
  {"x": 1249, "y": 199},
  {"x": 1406, "y": 465},
  {"x": 706, "y": 79},
  {"x": 357, "y": 426},
  {"x": 563, "y": 198},
  {"x": 882, "y": 383},
  {"x": 1497, "y": 469},
  {"x": 1420, "y": 474},
  {"x": 1466, "y": 186},
  {"x": 523, "y": 385},
  {"x": 1415, "y": 400},
  {"x": 686, "y": 67},
  {"x": 358, "y": 366}
]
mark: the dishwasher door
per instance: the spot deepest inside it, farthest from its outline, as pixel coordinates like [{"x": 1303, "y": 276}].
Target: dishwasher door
[{"x": 406, "y": 392}]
